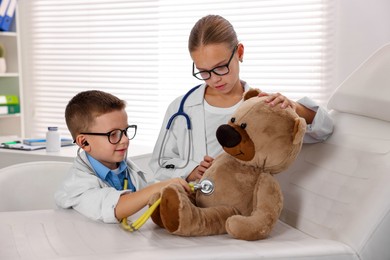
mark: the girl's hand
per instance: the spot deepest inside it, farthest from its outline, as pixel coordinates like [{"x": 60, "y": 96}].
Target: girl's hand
[
  {"x": 198, "y": 172},
  {"x": 277, "y": 98},
  {"x": 205, "y": 164},
  {"x": 302, "y": 111}
]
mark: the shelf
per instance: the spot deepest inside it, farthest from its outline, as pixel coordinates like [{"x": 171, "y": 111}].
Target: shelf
[
  {"x": 10, "y": 115},
  {"x": 11, "y": 81},
  {"x": 8, "y": 74},
  {"x": 10, "y": 34}
]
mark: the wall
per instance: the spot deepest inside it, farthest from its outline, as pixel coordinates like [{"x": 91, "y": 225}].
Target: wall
[{"x": 361, "y": 28}]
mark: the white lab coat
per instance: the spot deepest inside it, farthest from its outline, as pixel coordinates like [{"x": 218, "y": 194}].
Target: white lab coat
[
  {"x": 89, "y": 195},
  {"x": 176, "y": 143}
]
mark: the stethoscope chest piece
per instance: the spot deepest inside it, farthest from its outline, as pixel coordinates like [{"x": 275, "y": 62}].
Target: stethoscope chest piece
[{"x": 205, "y": 186}]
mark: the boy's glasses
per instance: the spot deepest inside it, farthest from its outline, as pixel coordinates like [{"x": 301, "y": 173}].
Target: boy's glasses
[
  {"x": 220, "y": 70},
  {"x": 115, "y": 136}
]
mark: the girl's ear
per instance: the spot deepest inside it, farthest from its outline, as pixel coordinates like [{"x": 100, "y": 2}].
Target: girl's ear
[{"x": 240, "y": 51}]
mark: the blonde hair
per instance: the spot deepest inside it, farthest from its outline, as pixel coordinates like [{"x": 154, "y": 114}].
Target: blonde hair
[{"x": 212, "y": 29}]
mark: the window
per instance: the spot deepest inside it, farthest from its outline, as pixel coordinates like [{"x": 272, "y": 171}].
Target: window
[{"x": 137, "y": 50}]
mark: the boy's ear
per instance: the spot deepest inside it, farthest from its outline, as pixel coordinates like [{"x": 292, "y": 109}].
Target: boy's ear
[{"x": 82, "y": 142}]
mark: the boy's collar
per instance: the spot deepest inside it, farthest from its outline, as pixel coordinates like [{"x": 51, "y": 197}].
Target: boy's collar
[{"x": 100, "y": 169}]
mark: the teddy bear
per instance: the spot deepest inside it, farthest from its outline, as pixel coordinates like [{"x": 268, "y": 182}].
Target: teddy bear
[{"x": 258, "y": 142}]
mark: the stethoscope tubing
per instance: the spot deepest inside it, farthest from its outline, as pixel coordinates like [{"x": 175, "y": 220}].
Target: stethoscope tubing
[
  {"x": 180, "y": 112},
  {"x": 127, "y": 175}
]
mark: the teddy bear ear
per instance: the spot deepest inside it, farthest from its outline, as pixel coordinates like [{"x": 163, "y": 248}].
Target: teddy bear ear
[
  {"x": 251, "y": 93},
  {"x": 299, "y": 130}
]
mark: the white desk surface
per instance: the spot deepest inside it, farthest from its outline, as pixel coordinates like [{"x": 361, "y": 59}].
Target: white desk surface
[
  {"x": 67, "y": 154},
  {"x": 65, "y": 234},
  {"x": 71, "y": 151}
]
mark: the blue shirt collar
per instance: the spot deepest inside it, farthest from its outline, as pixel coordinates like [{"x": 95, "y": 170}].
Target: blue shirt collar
[{"x": 101, "y": 170}]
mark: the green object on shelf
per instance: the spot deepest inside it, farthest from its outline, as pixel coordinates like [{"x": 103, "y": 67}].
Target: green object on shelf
[
  {"x": 11, "y": 142},
  {"x": 3, "y": 65},
  {"x": 9, "y": 109},
  {"x": 2, "y": 51},
  {"x": 9, "y": 100}
]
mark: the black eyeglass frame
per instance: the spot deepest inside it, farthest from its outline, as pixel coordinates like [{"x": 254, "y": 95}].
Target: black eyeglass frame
[
  {"x": 213, "y": 70},
  {"x": 108, "y": 134}
]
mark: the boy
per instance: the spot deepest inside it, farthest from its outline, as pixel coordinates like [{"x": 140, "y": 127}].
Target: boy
[{"x": 95, "y": 184}]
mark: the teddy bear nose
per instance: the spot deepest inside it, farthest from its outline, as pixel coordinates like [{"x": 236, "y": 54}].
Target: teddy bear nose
[{"x": 227, "y": 136}]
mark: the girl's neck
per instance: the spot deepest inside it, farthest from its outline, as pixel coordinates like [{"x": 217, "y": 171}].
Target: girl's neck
[{"x": 218, "y": 99}]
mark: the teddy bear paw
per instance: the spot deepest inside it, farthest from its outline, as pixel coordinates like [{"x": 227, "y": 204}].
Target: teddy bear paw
[
  {"x": 170, "y": 207},
  {"x": 246, "y": 228}
]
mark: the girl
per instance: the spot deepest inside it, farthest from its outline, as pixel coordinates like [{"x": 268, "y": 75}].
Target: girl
[{"x": 216, "y": 53}]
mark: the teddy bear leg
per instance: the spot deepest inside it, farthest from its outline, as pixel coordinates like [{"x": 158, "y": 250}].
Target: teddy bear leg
[
  {"x": 247, "y": 228},
  {"x": 181, "y": 217},
  {"x": 268, "y": 203}
]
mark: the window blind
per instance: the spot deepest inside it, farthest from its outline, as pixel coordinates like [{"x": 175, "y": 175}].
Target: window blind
[{"x": 137, "y": 50}]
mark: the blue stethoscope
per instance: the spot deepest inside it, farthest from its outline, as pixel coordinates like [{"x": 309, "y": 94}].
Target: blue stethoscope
[{"x": 180, "y": 112}]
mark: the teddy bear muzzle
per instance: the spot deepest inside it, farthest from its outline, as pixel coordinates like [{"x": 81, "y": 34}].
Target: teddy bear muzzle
[
  {"x": 236, "y": 142},
  {"x": 227, "y": 136}
]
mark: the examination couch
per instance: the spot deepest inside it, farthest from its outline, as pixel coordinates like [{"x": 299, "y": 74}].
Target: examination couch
[
  {"x": 337, "y": 199},
  {"x": 339, "y": 190}
]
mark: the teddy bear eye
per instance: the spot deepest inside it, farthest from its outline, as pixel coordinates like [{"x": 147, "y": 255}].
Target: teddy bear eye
[
  {"x": 232, "y": 120},
  {"x": 243, "y": 125}
]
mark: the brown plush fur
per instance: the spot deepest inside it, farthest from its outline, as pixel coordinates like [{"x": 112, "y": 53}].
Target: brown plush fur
[{"x": 259, "y": 141}]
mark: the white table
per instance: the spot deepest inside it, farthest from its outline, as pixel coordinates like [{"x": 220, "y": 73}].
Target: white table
[
  {"x": 139, "y": 154},
  {"x": 65, "y": 234}
]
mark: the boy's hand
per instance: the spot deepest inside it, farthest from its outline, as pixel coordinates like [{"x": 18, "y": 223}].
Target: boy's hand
[{"x": 181, "y": 182}]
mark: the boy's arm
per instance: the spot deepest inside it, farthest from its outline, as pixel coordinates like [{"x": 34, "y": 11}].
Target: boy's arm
[
  {"x": 131, "y": 203},
  {"x": 84, "y": 192}
]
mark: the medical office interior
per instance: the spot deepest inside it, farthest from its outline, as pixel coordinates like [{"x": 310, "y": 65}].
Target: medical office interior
[{"x": 336, "y": 52}]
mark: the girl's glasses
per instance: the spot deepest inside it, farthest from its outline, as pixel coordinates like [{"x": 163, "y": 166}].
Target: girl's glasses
[{"x": 220, "y": 70}]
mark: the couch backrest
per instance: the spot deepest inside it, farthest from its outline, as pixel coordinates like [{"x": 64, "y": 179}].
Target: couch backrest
[
  {"x": 366, "y": 91},
  {"x": 340, "y": 189}
]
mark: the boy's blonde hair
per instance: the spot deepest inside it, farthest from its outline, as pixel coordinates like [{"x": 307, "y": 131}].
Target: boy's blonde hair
[{"x": 82, "y": 109}]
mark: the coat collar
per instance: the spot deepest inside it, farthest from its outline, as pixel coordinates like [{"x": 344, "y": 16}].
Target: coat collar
[{"x": 197, "y": 97}]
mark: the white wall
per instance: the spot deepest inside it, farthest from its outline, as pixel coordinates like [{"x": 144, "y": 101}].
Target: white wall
[{"x": 362, "y": 26}]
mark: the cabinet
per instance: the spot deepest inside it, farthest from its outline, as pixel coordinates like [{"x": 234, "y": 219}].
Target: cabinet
[{"x": 11, "y": 81}]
